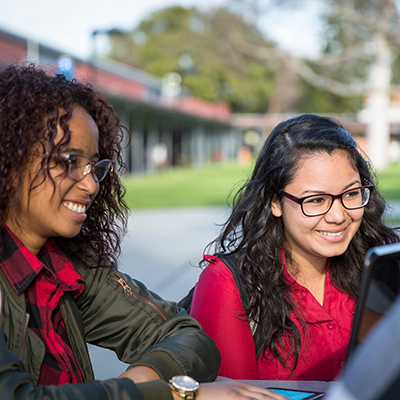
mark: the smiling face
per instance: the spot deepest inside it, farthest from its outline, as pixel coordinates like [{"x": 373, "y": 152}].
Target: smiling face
[
  {"x": 312, "y": 240},
  {"x": 44, "y": 212}
]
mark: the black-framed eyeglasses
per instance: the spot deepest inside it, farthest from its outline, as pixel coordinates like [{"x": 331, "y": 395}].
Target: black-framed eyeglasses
[
  {"x": 320, "y": 204},
  {"x": 79, "y": 166}
]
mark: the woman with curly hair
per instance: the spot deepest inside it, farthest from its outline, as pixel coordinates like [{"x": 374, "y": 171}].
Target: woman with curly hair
[
  {"x": 298, "y": 231},
  {"x": 62, "y": 216}
]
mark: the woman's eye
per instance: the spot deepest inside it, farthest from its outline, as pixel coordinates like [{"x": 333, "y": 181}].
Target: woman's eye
[
  {"x": 352, "y": 194},
  {"x": 315, "y": 200},
  {"x": 73, "y": 160}
]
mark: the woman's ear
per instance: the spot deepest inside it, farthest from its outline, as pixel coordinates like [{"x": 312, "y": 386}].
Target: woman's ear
[{"x": 276, "y": 208}]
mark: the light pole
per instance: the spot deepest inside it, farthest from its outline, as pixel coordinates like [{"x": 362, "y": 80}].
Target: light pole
[
  {"x": 95, "y": 33},
  {"x": 93, "y": 50}
]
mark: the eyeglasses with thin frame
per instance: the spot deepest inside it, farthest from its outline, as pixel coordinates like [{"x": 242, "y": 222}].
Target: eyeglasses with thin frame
[
  {"x": 320, "y": 204},
  {"x": 79, "y": 166}
]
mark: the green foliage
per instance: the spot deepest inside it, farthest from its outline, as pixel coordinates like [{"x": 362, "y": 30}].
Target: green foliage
[
  {"x": 317, "y": 100},
  {"x": 202, "y": 47},
  {"x": 221, "y": 56}
]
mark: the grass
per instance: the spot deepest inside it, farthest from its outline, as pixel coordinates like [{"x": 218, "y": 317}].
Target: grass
[
  {"x": 389, "y": 182},
  {"x": 212, "y": 184},
  {"x": 185, "y": 187}
]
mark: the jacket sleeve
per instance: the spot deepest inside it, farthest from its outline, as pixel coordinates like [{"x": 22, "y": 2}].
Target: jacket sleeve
[
  {"x": 121, "y": 314},
  {"x": 16, "y": 383}
]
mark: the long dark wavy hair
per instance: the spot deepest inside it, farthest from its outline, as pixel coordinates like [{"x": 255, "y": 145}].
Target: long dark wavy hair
[
  {"x": 257, "y": 238},
  {"x": 33, "y": 104}
]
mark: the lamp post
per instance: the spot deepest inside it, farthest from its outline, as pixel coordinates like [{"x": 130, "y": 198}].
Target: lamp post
[
  {"x": 93, "y": 51},
  {"x": 95, "y": 33}
]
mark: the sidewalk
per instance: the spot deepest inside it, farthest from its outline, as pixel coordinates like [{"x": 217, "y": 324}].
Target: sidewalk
[{"x": 163, "y": 247}]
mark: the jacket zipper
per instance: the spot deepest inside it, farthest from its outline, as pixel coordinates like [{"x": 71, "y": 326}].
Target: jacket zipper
[
  {"x": 128, "y": 291},
  {"x": 72, "y": 347},
  {"x": 24, "y": 336}
]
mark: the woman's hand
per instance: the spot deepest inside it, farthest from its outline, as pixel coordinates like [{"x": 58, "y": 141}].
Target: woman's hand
[
  {"x": 234, "y": 390},
  {"x": 221, "y": 390}
]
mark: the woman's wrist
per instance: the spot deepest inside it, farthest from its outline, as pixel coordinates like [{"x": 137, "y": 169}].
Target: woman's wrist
[{"x": 140, "y": 373}]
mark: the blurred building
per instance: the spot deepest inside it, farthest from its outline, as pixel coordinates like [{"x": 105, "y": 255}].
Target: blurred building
[
  {"x": 167, "y": 128},
  {"x": 256, "y": 127}
]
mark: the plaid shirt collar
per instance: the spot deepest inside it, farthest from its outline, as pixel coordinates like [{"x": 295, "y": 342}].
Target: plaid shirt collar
[{"x": 51, "y": 258}]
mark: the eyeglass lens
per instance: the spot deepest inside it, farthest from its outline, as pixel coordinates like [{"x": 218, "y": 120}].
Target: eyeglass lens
[
  {"x": 320, "y": 204},
  {"x": 80, "y": 166}
]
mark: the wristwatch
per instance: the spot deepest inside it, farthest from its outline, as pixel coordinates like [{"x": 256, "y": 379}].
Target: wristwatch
[{"x": 185, "y": 386}]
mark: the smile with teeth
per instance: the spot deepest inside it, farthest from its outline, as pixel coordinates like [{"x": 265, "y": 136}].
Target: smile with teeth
[
  {"x": 79, "y": 208},
  {"x": 331, "y": 234}
]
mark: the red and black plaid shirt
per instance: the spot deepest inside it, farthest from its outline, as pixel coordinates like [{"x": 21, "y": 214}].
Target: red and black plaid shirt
[{"x": 44, "y": 279}]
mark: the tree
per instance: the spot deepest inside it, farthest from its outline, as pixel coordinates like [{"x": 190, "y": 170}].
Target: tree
[
  {"x": 362, "y": 41},
  {"x": 368, "y": 31},
  {"x": 221, "y": 55},
  {"x": 196, "y": 45}
]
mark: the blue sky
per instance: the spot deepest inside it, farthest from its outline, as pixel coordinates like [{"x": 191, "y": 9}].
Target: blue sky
[{"x": 67, "y": 25}]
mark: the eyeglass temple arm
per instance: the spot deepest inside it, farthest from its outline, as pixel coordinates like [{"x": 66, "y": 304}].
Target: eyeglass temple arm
[{"x": 291, "y": 197}]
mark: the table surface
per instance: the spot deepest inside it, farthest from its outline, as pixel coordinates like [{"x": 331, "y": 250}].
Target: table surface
[{"x": 314, "y": 386}]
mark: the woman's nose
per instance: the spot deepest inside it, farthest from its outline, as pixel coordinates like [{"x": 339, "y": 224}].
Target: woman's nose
[
  {"x": 337, "y": 212},
  {"x": 89, "y": 183}
]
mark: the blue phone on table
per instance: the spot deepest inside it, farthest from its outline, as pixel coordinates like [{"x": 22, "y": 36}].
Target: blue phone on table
[{"x": 297, "y": 394}]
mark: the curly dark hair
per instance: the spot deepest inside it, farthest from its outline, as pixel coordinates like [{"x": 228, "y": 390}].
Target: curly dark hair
[
  {"x": 257, "y": 238},
  {"x": 33, "y": 103}
]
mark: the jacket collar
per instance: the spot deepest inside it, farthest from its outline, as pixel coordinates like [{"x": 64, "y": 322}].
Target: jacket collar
[{"x": 21, "y": 266}]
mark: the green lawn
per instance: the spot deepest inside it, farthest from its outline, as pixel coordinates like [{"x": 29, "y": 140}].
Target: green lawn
[
  {"x": 211, "y": 185},
  {"x": 389, "y": 182},
  {"x": 182, "y": 187}
]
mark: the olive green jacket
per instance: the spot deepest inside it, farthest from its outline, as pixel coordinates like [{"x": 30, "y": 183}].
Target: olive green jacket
[{"x": 114, "y": 312}]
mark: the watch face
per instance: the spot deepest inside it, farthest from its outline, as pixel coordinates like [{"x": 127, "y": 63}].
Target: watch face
[{"x": 186, "y": 383}]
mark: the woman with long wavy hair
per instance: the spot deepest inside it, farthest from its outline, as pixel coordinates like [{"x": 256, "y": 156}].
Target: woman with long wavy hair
[
  {"x": 298, "y": 230},
  {"x": 62, "y": 217}
]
